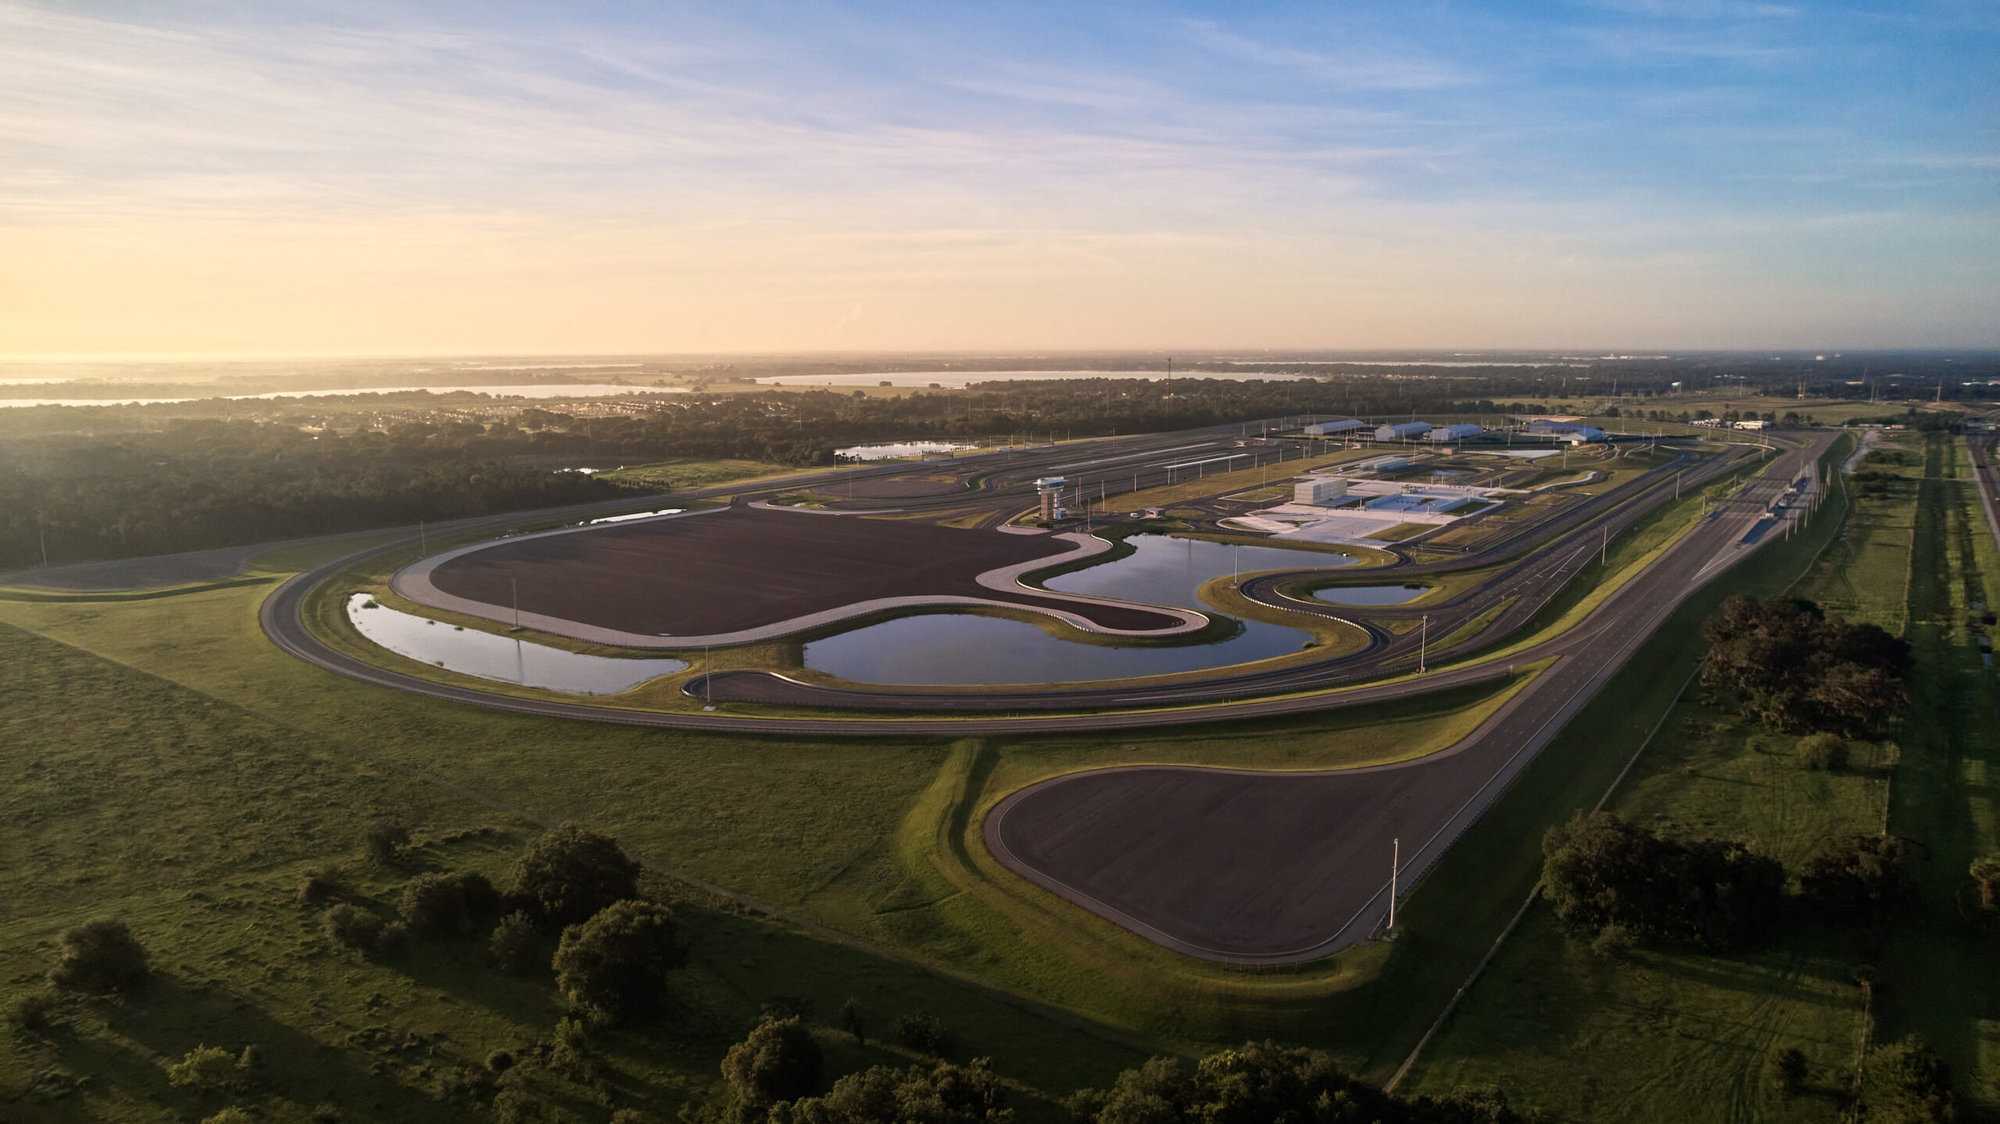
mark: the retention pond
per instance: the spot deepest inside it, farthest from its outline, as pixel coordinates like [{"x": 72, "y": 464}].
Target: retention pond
[
  {"x": 963, "y": 649},
  {"x": 505, "y": 659}
]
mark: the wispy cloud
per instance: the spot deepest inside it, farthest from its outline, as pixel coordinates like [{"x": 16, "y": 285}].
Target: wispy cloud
[{"x": 1355, "y": 67}]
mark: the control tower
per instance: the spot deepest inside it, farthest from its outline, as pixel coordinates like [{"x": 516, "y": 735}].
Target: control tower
[{"x": 1050, "y": 489}]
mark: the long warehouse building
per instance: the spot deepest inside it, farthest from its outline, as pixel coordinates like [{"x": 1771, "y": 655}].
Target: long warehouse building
[{"x": 1402, "y": 431}]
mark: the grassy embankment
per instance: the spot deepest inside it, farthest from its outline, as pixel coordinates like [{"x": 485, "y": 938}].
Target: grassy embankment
[
  {"x": 1669, "y": 1034},
  {"x": 185, "y": 775}
]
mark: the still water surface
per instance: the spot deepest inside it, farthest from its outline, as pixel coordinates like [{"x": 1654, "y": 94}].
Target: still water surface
[
  {"x": 960, "y": 649},
  {"x": 505, "y": 659}
]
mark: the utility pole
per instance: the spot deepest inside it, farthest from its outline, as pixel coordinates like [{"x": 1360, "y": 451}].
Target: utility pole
[
  {"x": 516, "y": 584},
  {"x": 43, "y": 534},
  {"x": 423, "y": 547},
  {"x": 1604, "y": 547},
  {"x": 1395, "y": 868},
  {"x": 1423, "y": 641}
]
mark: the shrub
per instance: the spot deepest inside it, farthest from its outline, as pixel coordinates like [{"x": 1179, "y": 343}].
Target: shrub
[
  {"x": 516, "y": 944},
  {"x": 351, "y": 926},
  {"x": 1788, "y": 1069},
  {"x": 35, "y": 1012},
  {"x": 779, "y": 1061},
  {"x": 852, "y": 1022},
  {"x": 566, "y": 876},
  {"x": 434, "y": 905},
  {"x": 100, "y": 957},
  {"x": 921, "y": 1031},
  {"x": 316, "y": 887},
  {"x": 1823, "y": 751},
  {"x": 614, "y": 966},
  {"x": 1613, "y": 941},
  {"x": 500, "y": 1061},
  {"x": 230, "y": 1115},
  {"x": 392, "y": 940},
  {"x": 385, "y": 840},
  {"x": 203, "y": 1068}
]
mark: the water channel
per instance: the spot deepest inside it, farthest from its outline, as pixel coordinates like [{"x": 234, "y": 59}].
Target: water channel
[
  {"x": 961, "y": 649},
  {"x": 505, "y": 659}
]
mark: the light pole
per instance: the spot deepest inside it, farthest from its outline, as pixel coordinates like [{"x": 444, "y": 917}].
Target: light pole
[
  {"x": 1423, "y": 640},
  {"x": 1395, "y": 868}
]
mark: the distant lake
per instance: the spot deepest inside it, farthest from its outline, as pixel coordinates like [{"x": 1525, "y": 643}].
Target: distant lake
[
  {"x": 892, "y": 450},
  {"x": 960, "y": 379},
  {"x": 530, "y": 390}
]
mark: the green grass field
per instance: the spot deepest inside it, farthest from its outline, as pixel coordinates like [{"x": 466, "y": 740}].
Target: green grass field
[
  {"x": 1670, "y": 1034},
  {"x": 175, "y": 770}
]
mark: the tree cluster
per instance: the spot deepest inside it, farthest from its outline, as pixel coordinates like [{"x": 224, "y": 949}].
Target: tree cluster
[
  {"x": 1792, "y": 667},
  {"x": 1265, "y": 1081},
  {"x": 1601, "y": 872}
]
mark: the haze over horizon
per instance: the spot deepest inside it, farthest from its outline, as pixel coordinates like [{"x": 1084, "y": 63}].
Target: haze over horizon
[{"x": 359, "y": 178}]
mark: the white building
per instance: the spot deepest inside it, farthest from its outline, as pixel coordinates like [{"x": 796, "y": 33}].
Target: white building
[
  {"x": 1453, "y": 433},
  {"x": 1319, "y": 491},
  {"x": 1334, "y": 428},
  {"x": 1404, "y": 431}
]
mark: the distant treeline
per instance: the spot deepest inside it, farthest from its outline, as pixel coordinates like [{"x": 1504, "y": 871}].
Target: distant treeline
[
  {"x": 211, "y": 484},
  {"x": 109, "y": 482},
  {"x": 194, "y": 483}
]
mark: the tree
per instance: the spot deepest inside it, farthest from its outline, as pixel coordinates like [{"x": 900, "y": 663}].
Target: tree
[
  {"x": 1905, "y": 1083},
  {"x": 1823, "y": 751},
  {"x": 779, "y": 1061},
  {"x": 852, "y": 1022},
  {"x": 1265, "y": 1081},
  {"x": 921, "y": 1031},
  {"x": 1859, "y": 877},
  {"x": 941, "y": 1093},
  {"x": 614, "y": 966},
  {"x": 1600, "y": 871},
  {"x": 515, "y": 943},
  {"x": 566, "y": 876},
  {"x": 1788, "y": 1069},
  {"x": 100, "y": 957},
  {"x": 1792, "y": 667},
  {"x": 434, "y": 905}
]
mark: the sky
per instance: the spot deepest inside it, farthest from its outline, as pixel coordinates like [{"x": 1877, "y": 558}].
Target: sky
[{"x": 182, "y": 178}]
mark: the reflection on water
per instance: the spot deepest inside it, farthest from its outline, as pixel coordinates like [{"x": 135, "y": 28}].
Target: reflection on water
[
  {"x": 504, "y": 659},
  {"x": 960, "y": 649},
  {"x": 892, "y": 450},
  {"x": 1371, "y": 594}
]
